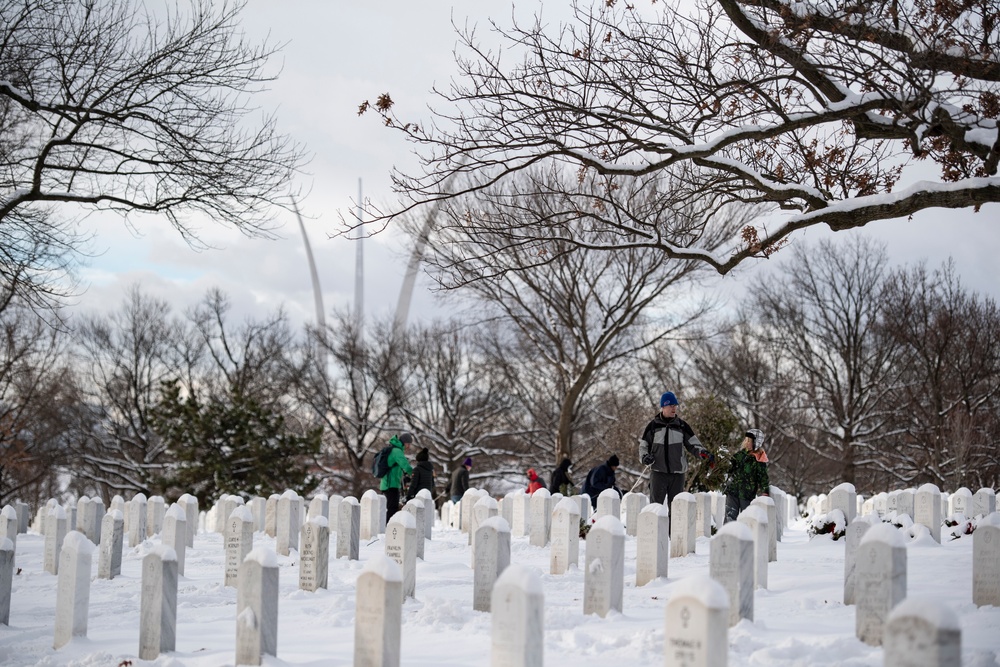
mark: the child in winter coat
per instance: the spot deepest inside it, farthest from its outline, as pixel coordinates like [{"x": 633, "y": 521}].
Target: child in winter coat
[
  {"x": 747, "y": 474},
  {"x": 534, "y": 483}
]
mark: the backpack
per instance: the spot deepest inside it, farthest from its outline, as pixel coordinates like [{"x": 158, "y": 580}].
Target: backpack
[{"x": 380, "y": 464}]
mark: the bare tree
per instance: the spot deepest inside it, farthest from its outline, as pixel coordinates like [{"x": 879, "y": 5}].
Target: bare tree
[
  {"x": 813, "y": 109},
  {"x": 113, "y": 106}
]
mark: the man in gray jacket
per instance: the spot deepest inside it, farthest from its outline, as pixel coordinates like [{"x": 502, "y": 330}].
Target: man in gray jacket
[{"x": 662, "y": 447}]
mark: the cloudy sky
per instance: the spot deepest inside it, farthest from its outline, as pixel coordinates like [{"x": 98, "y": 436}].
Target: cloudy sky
[{"x": 337, "y": 54}]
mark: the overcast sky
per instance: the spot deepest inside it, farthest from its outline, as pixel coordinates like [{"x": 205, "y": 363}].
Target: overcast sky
[{"x": 337, "y": 54}]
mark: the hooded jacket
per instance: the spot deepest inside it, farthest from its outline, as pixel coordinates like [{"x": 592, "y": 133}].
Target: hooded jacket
[
  {"x": 533, "y": 482},
  {"x": 561, "y": 483},
  {"x": 398, "y": 466},
  {"x": 666, "y": 439},
  {"x": 423, "y": 478}
]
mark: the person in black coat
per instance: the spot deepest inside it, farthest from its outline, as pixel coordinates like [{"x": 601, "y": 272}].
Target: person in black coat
[
  {"x": 561, "y": 483},
  {"x": 601, "y": 478},
  {"x": 423, "y": 475}
]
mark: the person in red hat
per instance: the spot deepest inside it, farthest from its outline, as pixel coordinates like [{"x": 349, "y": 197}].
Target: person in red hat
[{"x": 534, "y": 483}]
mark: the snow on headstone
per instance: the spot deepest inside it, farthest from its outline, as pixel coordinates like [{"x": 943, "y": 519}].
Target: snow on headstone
[
  {"x": 633, "y": 502},
  {"x": 986, "y": 561},
  {"x": 683, "y": 514},
  {"x": 109, "y": 561},
  {"x": 517, "y": 636},
  {"x": 334, "y": 511},
  {"x": 604, "y": 567},
  {"x": 927, "y": 509},
  {"x": 984, "y": 502},
  {"x": 879, "y": 580},
  {"x": 652, "y": 550},
  {"x": 73, "y": 587},
  {"x": 768, "y": 506},
  {"x": 755, "y": 518},
  {"x": 844, "y": 498},
  {"x": 257, "y": 606},
  {"x": 922, "y": 632},
  {"x": 87, "y": 521},
  {"x": 8, "y": 524},
  {"x": 852, "y": 538},
  {"x": 904, "y": 502},
  {"x": 541, "y": 518},
  {"x": 696, "y": 632},
  {"x": 319, "y": 506},
  {"x": 960, "y": 502},
  {"x": 239, "y": 542},
  {"x": 155, "y": 511},
  {"x": 6, "y": 577},
  {"x": 492, "y": 558},
  {"x": 428, "y": 500},
  {"x": 417, "y": 508},
  {"x": 718, "y": 508},
  {"x": 703, "y": 515},
  {"x": 349, "y": 528},
  {"x": 271, "y": 515},
  {"x": 56, "y": 527},
  {"x": 189, "y": 504},
  {"x": 258, "y": 508},
  {"x": 136, "y": 520},
  {"x": 314, "y": 554},
  {"x": 485, "y": 508},
  {"x": 585, "y": 506},
  {"x": 564, "y": 548},
  {"x": 369, "y": 515},
  {"x": 730, "y": 562},
  {"x": 468, "y": 501},
  {"x": 881, "y": 502},
  {"x": 378, "y": 616},
  {"x": 401, "y": 546},
  {"x": 286, "y": 525},
  {"x": 158, "y": 602}
]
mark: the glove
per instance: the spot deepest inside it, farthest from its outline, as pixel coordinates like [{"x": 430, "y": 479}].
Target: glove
[{"x": 648, "y": 460}]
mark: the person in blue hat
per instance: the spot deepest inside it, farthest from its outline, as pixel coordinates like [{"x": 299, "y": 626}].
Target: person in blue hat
[{"x": 662, "y": 449}]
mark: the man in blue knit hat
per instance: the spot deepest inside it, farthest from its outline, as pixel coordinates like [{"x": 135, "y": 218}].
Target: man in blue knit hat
[{"x": 662, "y": 447}]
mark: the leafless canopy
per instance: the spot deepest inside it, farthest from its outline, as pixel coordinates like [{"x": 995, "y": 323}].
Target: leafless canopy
[
  {"x": 813, "y": 109},
  {"x": 112, "y": 109}
]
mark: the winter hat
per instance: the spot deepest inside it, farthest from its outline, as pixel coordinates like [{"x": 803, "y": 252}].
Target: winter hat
[
  {"x": 405, "y": 437},
  {"x": 758, "y": 438},
  {"x": 467, "y": 462},
  {"x": 423, "y": 455},
  {"x": 532, "y": 475},
  {"x": 613, "y": 461},
  {"x": 668, "y": 398}
]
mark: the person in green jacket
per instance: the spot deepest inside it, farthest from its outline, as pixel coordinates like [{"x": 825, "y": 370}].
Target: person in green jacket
[
  {"x": 747, "y": 475},
  {"x": 392, "y": 483}
]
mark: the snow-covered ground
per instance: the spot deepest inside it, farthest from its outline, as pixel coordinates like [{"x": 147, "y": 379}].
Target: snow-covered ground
[{"x": 800, "y": 620}]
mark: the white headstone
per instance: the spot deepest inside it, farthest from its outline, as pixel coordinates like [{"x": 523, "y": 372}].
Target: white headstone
[
  {"x": 922, "y": 632},
  {"x": 23, "y": 515},
  {"x": 564, "y": 549},
  {"x": 258, "y": 507},
  {"x": 879, "y": 580},
  {"x": 521, "y": 514},
  {"x": 755, "y": 518},
  {"x": 73, "y": 588},
  {"x": 401, "y": 546},
  {"x": 696, "y": 633},
  {"x": 314, "y": 554},
  {"x": 378, "y": 615},
  {"x": 286, "y": 524},
  {"x": 109, "y": 562},
  {"x": 319, "y": 506},
  {"x": 652, "y": 551},
  {"x": 468, "y": 501},
  {"x": 86, "y": 513},
  {"x": 927, "y": 509},
  {"x": 881, "y": 503},
  {"x": 904, "y": 502},
  {"x": 136, "y": 520},
  {"x": 156, "y": 509},
  {"x": 683, "y": 513},
  {"x": 730, "y": 562},
  {"x": 271, "y": 515},
  {"x": 767, "y": 504},
  {"x": 56, "y": 527},
  {"x": 540, "y": 526},
  {"x": 604, "y": 569},
  {"x": 175, "y": 534},
  {"x": 158, "y": 602},
  {"x": 370, "y": 515},
  {"x": 634, "y": 502},
  {"x": 517, "y": 637},
  {"x": 485, "y": 508},
  {"x": 6, "y": 577},
  {"x": 961, "y": 503},
  {"x": 189, "y": 504},
  {"x": 428, "y": 499},
  {"x": 8, "y": 524},
  {"x": 986, "y": 561},
  {"x": 257, "y": 606},
  {"x": 718, "y": 508},
  {"x": 349, "y": 528},
  {"x": 609, "y": 503},
  {"x": 492, "y": 558},
  {"x": 334, "y": 511},
  {"x": 844, "y": 498},
  {"x": 417, "y": 508},
  {"x": 852, "y": 539},
  {"x": 984, "y": 502},
  {"x": 239, "y": 543}
]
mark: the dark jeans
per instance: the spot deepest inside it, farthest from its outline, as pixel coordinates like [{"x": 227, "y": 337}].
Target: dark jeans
[
  {"x": 735, "y": 505},
  {"x": 391, "y": 502},
  {"x": 663, "y": 486}
]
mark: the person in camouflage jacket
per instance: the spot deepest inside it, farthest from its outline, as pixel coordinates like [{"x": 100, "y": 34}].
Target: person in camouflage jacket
[{"x": 747, "y": 475}]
